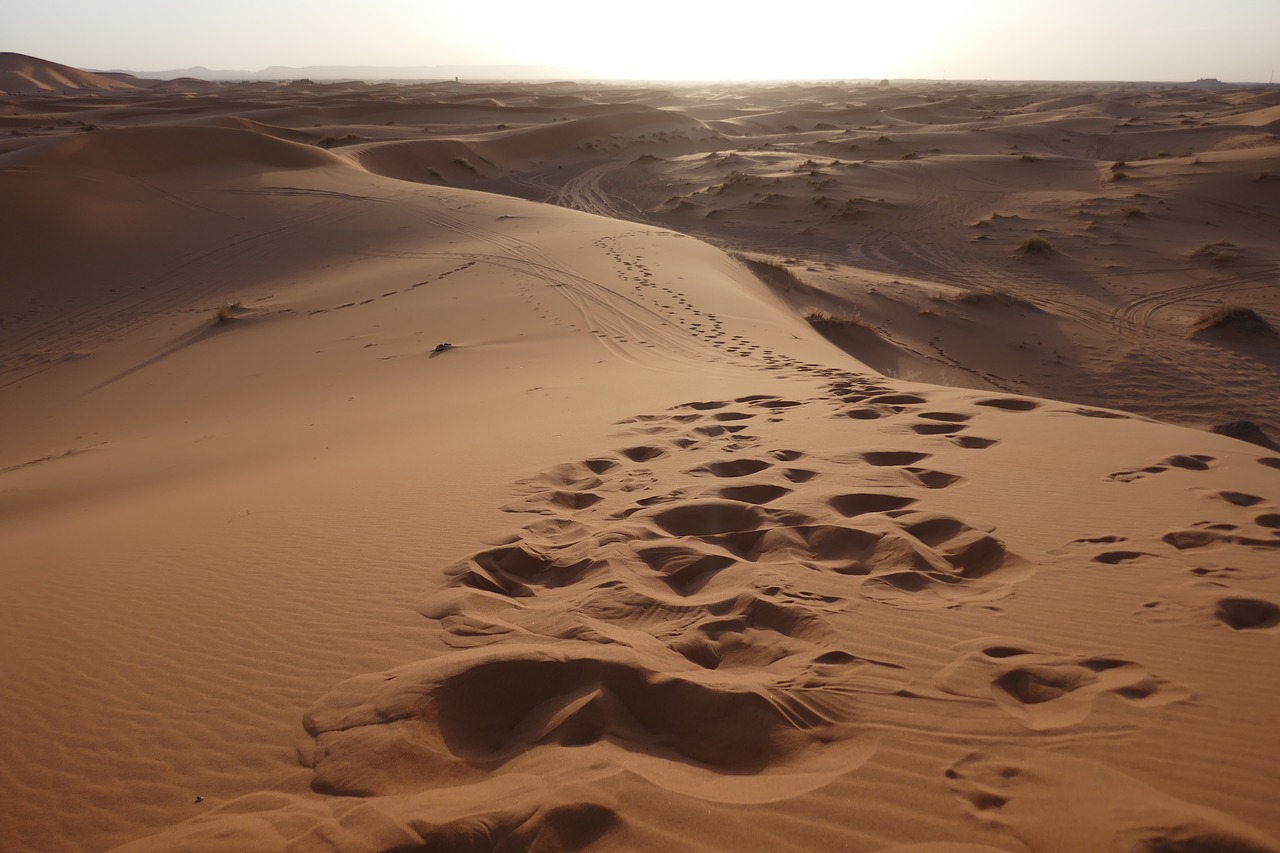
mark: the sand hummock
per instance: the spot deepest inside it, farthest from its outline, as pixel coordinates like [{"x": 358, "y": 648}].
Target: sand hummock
[{"x": 764, "y": 498}]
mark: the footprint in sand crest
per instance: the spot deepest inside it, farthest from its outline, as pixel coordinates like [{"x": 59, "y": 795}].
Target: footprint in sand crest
[
  {"x": 1056, "y": 804},
  {"x": 1212, "y": 602},
  {"x": 1188, "y": 462},
  {"x": 1048, "y": 690}
]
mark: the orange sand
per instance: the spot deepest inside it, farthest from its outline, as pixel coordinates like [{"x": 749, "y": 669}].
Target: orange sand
[{"x": 644, "y": 560}]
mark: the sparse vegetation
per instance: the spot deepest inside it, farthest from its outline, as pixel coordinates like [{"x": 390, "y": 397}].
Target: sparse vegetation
[
  {"x": 1220, "y": 252},
  {"x": 1037, "y": 246},
  {"x": 1029, "y": 158},
  {"x": 226, "y": 312},
  {"x": 984, "y": 296},
  {"x": 910, "y": 155},
  {"x": 1233, "y": 318},
  {"x": 770, "y": 271},
  {"x": 1134, "y": 213},
  {"x": 822, "y": 319}
]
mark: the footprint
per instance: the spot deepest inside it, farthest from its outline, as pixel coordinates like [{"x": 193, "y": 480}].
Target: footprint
[
  {"x": 643, "y": 453},
  {"x": 506, "y": 813},
  {"x": 685, "y": 569},
  {"x": 935, "y": 561},
  {"x": 1111, "y": 558},
  {"x": 513, "y": 570},
  {"x": 706, "y": 516},
  {"x": 1243, "y": 614},
  {"x": 937, "y": 429},
  {"x": 757, "y": 494},
  {"x": 1190, "y": 462},
  {"x": 1047, "y": 691},
  {"x": 1056, "y": 804},
  {"x": 930, "y": 479},
  {"x": 897, "y": 400},
  {"x": 719, "y": 739},
  {"x": 1215, "y": 534},
  {"x": 972, "y": 442},
  {"x": 733, "y": 468},
  {"x": 893, "y": 458},
  {"x": 1238, "y": 498},
  {"x": 861, "y": 503},
  {"x": 1009, "y": 404}
]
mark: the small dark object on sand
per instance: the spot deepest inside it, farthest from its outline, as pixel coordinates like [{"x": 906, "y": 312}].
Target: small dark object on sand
[
  {"x": 199, "y": 800},
  {"x": 443, "y": 347}
]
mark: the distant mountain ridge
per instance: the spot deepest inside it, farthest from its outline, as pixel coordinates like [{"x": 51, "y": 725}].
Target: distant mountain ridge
[{"x": 367, "y": 72}]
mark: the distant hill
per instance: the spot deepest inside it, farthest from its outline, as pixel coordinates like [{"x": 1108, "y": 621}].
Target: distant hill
[
  {"x": 26, "y": 75},
  {"x": 370, "y": 72}
]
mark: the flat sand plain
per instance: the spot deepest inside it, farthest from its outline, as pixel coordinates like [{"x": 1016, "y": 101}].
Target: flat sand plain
[{"x": 824, "y": 467}]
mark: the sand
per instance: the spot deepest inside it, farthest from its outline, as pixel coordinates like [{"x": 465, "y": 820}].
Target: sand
[{"x": 772, "y": 492}]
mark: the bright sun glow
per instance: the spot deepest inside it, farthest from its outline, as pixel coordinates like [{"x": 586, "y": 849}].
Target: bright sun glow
[
  {"x": 665, "y": 39},
  {"x": 677, "y": 39}
]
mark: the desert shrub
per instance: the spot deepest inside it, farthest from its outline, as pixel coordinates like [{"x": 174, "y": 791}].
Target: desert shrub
[
  {"x": 986, "y": 296},
  {"x": 226, "y": 312},
  {"x": 1034, "y": 246},
  {"x": 820, "y": 318},
  {"x": 1220, "y": 252},
  {"x": 1236, "y": 318}
]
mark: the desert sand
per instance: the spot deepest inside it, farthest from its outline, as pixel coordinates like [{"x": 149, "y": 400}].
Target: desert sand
[{"x": 552, "y": 466}]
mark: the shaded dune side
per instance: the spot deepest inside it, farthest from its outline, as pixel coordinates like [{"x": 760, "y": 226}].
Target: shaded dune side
[
  {"x": 408, "y": 159},
  {"x": 137, "y": 152}
]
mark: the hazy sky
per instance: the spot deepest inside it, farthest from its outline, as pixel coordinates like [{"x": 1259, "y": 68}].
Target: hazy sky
[{"x": 1236, "y": 40}]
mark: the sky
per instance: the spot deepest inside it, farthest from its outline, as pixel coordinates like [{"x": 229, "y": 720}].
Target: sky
[{"x": 1146, "y": 40}]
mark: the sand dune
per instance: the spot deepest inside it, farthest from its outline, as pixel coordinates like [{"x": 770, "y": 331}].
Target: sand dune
[
  {"x": 26, "y": 75},
  {"x": 350, "y": 502}
]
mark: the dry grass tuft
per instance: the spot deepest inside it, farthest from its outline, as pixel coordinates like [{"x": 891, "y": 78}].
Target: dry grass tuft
[
  {"x": 226, "y": 312},
  {"x": 1035, "y": 246},
  {"x": 770, "y": 271},
  {"x": 1233, "y": 318},
  {"x": 821, "y": 319},
  {"x": 1221, "y": 252},
  {"x": 985, "y": 297}
]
